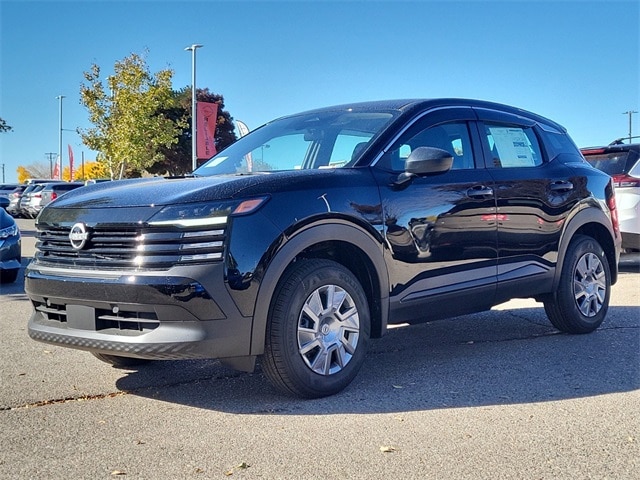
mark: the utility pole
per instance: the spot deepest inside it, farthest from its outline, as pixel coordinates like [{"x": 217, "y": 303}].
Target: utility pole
[
  {"x": 50, "y": 156},
  {"x": 630, "y": 113},
  {"x": 3, "y": 173}
]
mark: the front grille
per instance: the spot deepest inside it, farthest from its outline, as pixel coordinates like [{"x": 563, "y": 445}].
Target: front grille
[{"x": 124, "y": 248}]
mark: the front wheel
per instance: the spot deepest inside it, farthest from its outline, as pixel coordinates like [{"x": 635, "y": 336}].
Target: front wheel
[
  {"x": 318, "y": 330},
  {"x": 581, "y": 301},
  {"x": 120, "y": 362}
]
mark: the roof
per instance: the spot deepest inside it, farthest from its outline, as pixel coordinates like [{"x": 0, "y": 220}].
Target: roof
[{"x": 418, "y": 104}]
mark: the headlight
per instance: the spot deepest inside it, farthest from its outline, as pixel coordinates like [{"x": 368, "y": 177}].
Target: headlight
[
  {"x": 9, "y": 232},
  {"x": 205, "y": 214}
]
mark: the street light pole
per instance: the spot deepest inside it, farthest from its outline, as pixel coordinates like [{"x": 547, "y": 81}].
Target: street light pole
[
  {"x": 630, "y": 113},
  {"x": 194, "y": 154},
  {"x": 60, "y": 97}
]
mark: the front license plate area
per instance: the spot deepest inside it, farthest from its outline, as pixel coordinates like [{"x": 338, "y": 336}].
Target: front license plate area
[{"x": 81, "y": 317}]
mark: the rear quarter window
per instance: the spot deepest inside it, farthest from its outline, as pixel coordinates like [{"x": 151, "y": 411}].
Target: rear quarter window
[{"x": 558, "y": 143}]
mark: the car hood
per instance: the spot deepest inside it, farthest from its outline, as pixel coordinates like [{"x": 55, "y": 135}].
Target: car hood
[
  {"x": 6, "y": 220},
  {"x": 160, "y": 191},
  {"x": 156, "y": 191}
]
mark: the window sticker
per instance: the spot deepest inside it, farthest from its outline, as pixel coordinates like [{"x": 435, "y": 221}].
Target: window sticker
[{"x": 512, "y": 146}]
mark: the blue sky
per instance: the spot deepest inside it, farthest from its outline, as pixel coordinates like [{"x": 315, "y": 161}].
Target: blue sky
[{"x": 576, "y": 62}]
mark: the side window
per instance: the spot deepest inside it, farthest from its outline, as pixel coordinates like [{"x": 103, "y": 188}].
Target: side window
[
  {"x": 512, "y": 146},
  {"x": 452, "y": 137}
]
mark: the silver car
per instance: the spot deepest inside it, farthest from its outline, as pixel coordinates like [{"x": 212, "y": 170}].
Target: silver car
[{"x": 622, "y": 163}]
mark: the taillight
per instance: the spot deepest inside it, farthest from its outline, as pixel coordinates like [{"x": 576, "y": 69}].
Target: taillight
[
  {"x": 613, "y": 209},
  {"x": 54, "y": 195},
  {"x": 37, "y": 195},
  {"x": 623, "y": 180},
  {"x": 592, "y": 151}
]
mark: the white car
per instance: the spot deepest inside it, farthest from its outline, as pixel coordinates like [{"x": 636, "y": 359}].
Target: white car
[{"x": 622, "y": 162}]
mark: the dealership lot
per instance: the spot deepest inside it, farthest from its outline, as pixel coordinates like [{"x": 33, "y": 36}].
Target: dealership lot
[{"x": 494, "y": 395}]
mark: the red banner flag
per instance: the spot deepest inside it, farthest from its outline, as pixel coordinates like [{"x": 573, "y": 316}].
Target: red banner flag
[
  {"x": 207, "y": 117},
  {"x": 56, "y": 169},
  {"x": 70, "y": 163}
]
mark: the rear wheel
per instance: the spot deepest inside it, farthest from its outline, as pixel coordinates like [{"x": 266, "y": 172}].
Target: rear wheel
[
  {"x": 120, "y": 362},
  {"x": 581, "y": 301},
  {"x": 318, "y": 330}
]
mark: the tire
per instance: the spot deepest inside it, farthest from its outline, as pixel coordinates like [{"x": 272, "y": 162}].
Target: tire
[
  {"x": 120, "y": 362},
  {"x": 318, "y": 330},
  {"x": 9, "y": 276},
  {"x": 581, "y": 300}
]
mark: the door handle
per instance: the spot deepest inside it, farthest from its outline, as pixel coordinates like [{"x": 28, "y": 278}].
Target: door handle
[
  {"x": 480, "y": 191},
  {"x": 561, "y": 186}
]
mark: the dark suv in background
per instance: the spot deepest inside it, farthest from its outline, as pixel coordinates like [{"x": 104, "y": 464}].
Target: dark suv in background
[{"x": 313, "y": 233}]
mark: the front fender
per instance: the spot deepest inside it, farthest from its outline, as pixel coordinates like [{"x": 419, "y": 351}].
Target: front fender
[{"x": 310, "y": 236}]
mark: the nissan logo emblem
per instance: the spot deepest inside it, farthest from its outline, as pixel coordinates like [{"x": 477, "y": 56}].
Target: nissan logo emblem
[{"x": 78, "y": 236}]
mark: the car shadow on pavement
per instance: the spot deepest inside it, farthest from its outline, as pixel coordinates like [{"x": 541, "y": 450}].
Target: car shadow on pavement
[{"x": 493, "y": 358}]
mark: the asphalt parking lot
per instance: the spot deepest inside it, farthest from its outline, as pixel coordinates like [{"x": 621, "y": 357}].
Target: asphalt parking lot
[{"x": 497, "y": 395}]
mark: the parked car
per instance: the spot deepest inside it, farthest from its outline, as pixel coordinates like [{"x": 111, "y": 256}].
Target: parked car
[
  {"x": 313, "y": 233},
  {"x": 29, "y": 181},
  {"x": 622, "y": 162},
  {"x": 51, "y": 191},
  {"x": 7, "y": 188},
  {"x": 14, "y": 200},
  {"x": 10, "y": 248},
  {"x": 30, "y": 200}
]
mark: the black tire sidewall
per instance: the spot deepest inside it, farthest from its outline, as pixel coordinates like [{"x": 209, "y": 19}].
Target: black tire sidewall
[
  {"x": 292, "y": 294},
  {"x": 574, "y": 320}
]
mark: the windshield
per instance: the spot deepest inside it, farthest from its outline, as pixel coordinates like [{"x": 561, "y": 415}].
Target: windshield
[{"x": 327, "y": 139}]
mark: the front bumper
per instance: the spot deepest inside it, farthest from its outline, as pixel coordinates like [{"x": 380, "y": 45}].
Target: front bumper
[{"x": 151, "y": 315}]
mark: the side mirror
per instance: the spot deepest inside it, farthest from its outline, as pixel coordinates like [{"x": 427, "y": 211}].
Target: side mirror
[
  {"x": 4, "y": 202},
  {"x": 426, "y": 160}
]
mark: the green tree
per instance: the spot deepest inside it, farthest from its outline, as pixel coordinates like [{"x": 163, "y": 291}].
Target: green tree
[
  {"x": 177, "y": 158},
  {"x": 130, "y": 130},
  {"x": 4, "y": 127}
]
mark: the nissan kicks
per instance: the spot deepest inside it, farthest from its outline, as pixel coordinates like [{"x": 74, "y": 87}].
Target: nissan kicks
[{"x": 312, "y": 234}]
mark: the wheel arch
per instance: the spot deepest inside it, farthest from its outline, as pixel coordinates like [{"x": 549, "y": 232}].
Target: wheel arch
[
  {"x": 343, "y": 242},
  {"x": 594, "y": 223}
]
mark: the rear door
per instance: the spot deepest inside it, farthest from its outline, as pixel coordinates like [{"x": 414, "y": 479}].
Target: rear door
[
  {"x": 534, "y": 197},
  {"x": 440, "y": 229}
]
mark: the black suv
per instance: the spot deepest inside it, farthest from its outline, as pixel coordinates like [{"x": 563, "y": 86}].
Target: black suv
[{"x": 307, "y": 237}]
